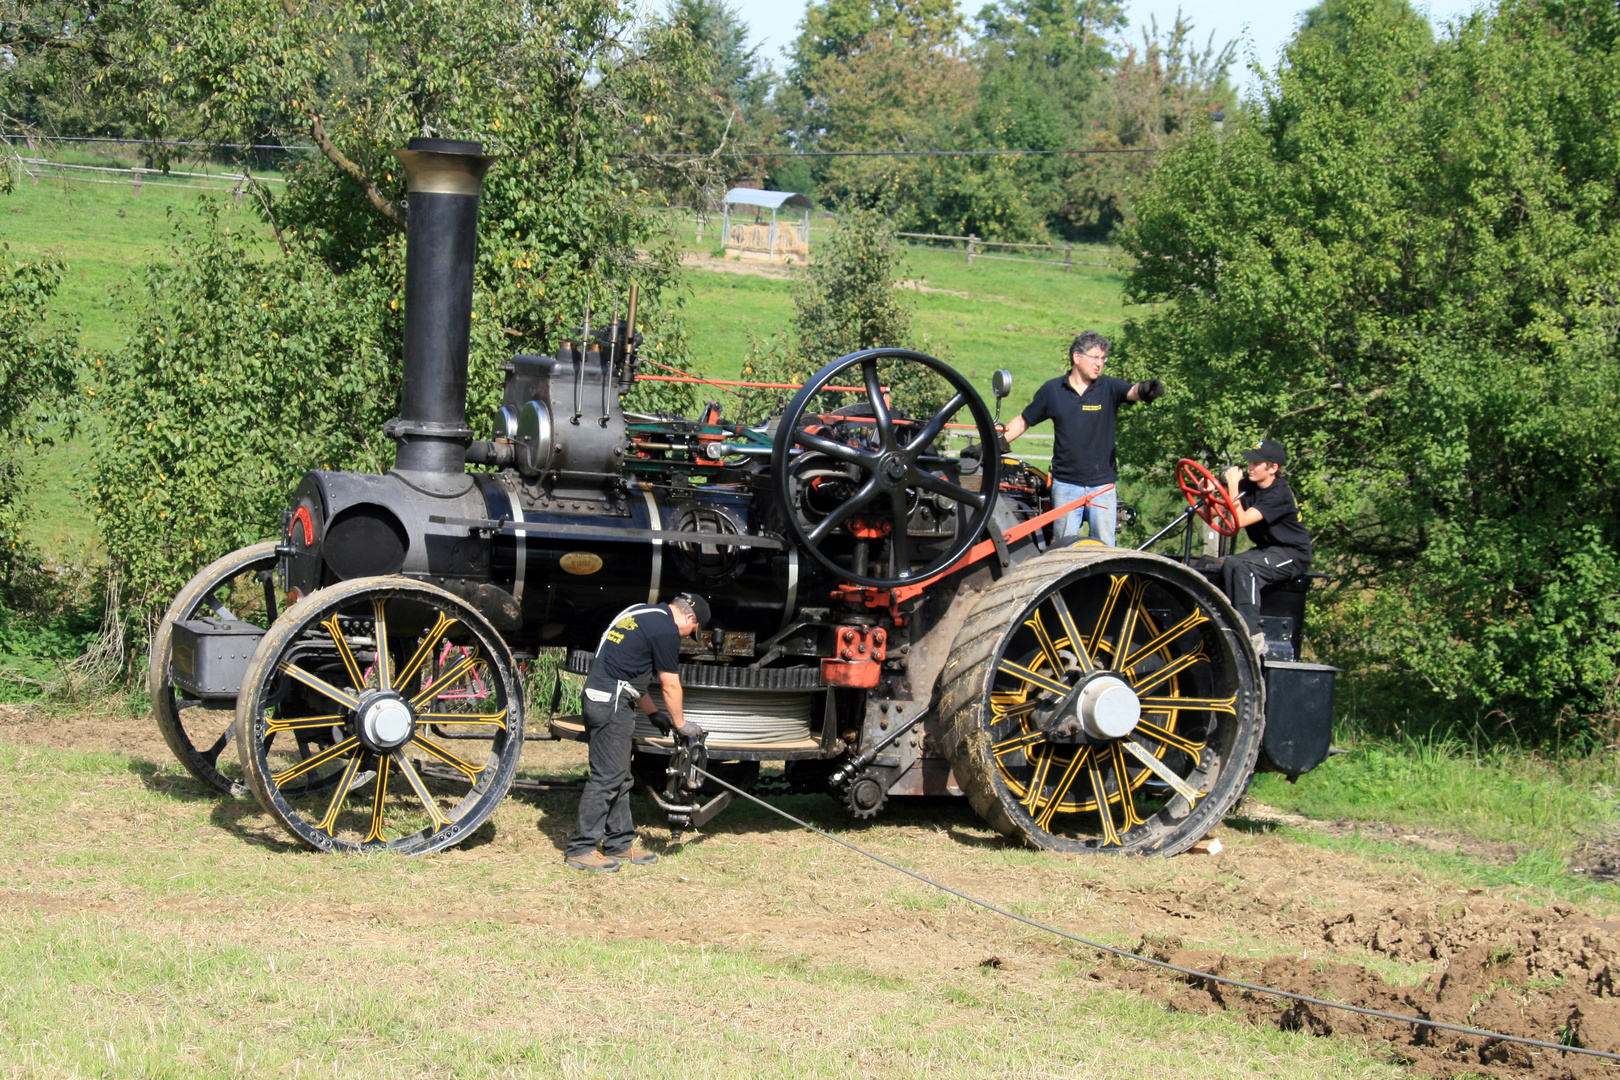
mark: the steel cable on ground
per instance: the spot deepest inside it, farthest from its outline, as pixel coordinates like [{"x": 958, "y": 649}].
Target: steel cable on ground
[{"x": 1164, "y": 964}]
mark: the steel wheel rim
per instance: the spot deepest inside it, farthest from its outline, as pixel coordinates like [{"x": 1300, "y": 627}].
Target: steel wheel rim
[
  {"x": 1193, "y": 683},
  {"x": 379, "y": 782},
  {"x": 207, "y": 591}
]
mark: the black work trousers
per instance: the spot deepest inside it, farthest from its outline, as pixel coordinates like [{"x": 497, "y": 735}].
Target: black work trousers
[
  {"x": 604, "y": 806},
  {"x": 1245, "y": 572}
]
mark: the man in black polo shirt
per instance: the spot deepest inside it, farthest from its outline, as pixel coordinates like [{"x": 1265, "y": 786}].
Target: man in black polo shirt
[
  {"x": 643, "y": 638},
  {"x": 1083, "y": 406},
  {"x": 1282, "y": 547}
]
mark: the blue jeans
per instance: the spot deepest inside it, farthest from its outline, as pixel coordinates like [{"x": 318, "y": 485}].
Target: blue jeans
[{"x": 1102, "y": 513}]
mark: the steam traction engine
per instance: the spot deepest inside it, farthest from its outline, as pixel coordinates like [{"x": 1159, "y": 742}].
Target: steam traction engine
[{"x": 889, "y": 618}]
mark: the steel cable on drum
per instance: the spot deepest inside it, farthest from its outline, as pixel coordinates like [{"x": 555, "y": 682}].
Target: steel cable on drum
[
  {"x": 1164, "y": 964},
  {"x": 743, "y": 717}
]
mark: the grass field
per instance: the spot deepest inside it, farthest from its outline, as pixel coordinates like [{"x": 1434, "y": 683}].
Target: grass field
[{"x": 154, "y": 930}]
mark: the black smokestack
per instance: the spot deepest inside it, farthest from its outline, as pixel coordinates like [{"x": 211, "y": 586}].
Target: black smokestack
[{"x": 442, "y": 178}]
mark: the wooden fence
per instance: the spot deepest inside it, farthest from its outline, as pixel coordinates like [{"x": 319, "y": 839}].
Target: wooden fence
[{"x": 970, "y": 246}]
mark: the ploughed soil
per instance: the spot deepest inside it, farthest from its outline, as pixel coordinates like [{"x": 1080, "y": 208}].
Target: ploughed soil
[{"x": 1266, "y": 909}]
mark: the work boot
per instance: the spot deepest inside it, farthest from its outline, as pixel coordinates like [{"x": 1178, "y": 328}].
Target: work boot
[
  {"x": 636, "y": 854},
  {"x": 594, "y": 861}
]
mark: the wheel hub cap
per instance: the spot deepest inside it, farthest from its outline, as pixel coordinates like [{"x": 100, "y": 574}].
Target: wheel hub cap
[
  {"x": 387, "y": 722},
  {"x": 1108, "y": 708}
]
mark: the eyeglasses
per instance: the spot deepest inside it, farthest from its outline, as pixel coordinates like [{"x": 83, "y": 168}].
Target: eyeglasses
[{"x": 1093, "y": 356}]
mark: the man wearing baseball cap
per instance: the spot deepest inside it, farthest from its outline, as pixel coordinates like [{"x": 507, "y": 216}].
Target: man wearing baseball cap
[
  {"x": 642, "y": 639},
  {"x": 1282, "y": 546}
]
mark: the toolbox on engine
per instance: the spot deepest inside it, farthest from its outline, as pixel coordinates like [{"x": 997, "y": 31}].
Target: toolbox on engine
[
  {"x": 1299, "y": 716},
  {"x": 211, "y": 655}
]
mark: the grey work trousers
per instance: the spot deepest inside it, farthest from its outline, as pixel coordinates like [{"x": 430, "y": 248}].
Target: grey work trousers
[
  {"x": 604, "y": 806},
  {"x": 1245, "y": 572}
]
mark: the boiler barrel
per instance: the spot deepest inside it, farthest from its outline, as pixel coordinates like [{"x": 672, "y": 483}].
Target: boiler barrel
[{"x": 570, "y": 583}]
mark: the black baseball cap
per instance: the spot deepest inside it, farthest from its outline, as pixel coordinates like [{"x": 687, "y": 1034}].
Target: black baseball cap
[
  {"x": 699, "y": 606},
  {"x": 1267, "y": 450}
]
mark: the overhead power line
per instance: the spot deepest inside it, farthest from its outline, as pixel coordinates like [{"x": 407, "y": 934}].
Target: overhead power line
[
  {"x": 904, "y": 153},
  {"x": 686, "y": 156}
]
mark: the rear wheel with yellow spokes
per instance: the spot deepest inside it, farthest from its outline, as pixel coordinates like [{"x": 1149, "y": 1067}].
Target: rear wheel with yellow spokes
[
  {"x": 380, "y": 714},
  {"x": 1099, "y": 701}
]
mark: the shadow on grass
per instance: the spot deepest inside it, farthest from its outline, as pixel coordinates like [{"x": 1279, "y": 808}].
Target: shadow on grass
[
  {"x": 179, "y": 785},
  {"x": 1251, "y": 826}
]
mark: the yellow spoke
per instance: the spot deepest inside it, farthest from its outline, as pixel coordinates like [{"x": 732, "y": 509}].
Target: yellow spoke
[
  {"x": 447, "y": 757},
  {"x": 1045, "y": 639},
  {"x": 420, "y": 787},
  {"x": 1011, "y": 712},
  {"x": 1170, "y": 704},
  {"x": 1127, "y": 626},
  {"x": 1169, "y": 738},
  {"x": 1032, "y": 795},
  {"x": 1127, "y": 802},
  {"x": 1017, "y": 742},
  {"x": 328, "y": 823},
  {"x": 1066, "y": 623},
  {"x": 1197, "y": 618},
  {"x": 315, "y": 762},
  {"x": 1065, "y": 782},
  {"x": 1174, "y": 667},
  {"x": 1116, "y": 585},
  {"x": 380, "y": 792},
  {"x": 356, "y": 679},
  {"x": 319, "y": 685},
  {"x": 446, "y": 678},
  {"x": 305, "y": 723},
  {"x": 497, "y": 719},
  {"x": 1034, "y": 678},
  {"x": 440, "y": 628},
  {"x": 1110, "y": 835},
  {"x": 385, "y": 679}
]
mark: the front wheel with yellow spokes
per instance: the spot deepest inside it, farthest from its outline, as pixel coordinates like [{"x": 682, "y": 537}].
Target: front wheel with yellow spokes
[
  {"x": 380, "y": 714},
  {"x": 1102, "y": 701}
]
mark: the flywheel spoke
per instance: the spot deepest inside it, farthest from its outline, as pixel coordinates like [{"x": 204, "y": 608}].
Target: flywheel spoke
[
  {"x": 1105, "y": 816},
  {"x": 1172, "y": 704},
  {"x": 1174, "y": 667},
  {"x": 847, "y": 509},
  {"x": 496, "y": 719},
  {"x": 1116, "y": 585},
  {"x": 1127, "y": 801},
  {"x": 446, "y": 678},
  {"x": 1196, "y": 619},
  {"x": 1060, "y": 790},
  {"x": 305, "y": 723},
  {"x": 1170, "y": 738}
]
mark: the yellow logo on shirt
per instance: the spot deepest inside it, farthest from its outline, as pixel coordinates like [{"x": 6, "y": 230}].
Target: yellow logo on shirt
[
  {"x": 1091, "y": 408},
  {"x": 627, "y": 623}
]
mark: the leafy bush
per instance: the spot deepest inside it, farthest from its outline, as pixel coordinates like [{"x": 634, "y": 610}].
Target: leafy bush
[{"x": 1404, "y": 266}]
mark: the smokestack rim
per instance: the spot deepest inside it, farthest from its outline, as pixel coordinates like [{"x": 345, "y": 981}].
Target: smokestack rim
[{"x": 431, "y": 170}]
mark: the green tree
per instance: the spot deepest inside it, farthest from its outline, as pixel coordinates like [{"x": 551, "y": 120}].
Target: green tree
[
  {"x": 300, "y": 346},
  {"x": 1405, "y": 267}
]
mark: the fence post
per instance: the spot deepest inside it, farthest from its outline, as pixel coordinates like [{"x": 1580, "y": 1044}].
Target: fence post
[
  {"x": 1068, "y": 258},
  {"x": 136, "y": 181},
  {"x": 697, "y": 235},
  {"x": 973, "y": 238}
]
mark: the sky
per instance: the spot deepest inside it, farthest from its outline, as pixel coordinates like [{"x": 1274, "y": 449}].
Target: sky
[{"x": 1261, "y": 27}]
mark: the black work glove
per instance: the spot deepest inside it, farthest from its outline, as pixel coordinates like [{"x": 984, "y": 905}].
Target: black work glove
[
  {"x": 1151, "y": 390},
  {"x": 662, "y": 721},
  {"x": 973, "y": 451},
  {"x": 1001, "y": 445},
  {"x": 690, "y": 730}
]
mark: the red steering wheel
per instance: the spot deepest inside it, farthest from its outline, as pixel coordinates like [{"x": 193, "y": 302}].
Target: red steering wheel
[{"x": 1207, "y": 497}]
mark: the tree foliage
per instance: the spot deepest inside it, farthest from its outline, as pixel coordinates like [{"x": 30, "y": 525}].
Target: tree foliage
[
  {"x": 1405, "y": 267},
  {"x": 297, "y": 350}
]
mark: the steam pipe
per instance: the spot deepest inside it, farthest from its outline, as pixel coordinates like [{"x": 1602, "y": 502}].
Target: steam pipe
[{"x": 442, "y": 177}]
